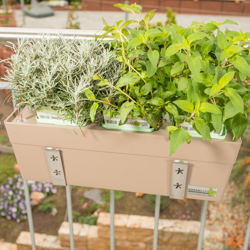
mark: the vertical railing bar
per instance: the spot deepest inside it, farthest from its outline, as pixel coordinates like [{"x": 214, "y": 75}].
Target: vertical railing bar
[
  {"x": 203, "y": 221},
  {"x": 29, "y": 212},
  {"x": 13, "y": 99},
  {"x": 112, "y": 220},
  {"x": 247, "y": 237},
  {"x": 70, "y": 217},
  {"x": 157, "y": 215},
  {"x": 23, "y": 14}
]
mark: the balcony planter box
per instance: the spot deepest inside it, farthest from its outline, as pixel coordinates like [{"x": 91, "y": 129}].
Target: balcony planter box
[{"x": 135, "y": 162}]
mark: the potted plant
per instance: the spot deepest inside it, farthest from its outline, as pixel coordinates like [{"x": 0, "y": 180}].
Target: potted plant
[
  {"x": 50, "y": 75},
  {"x": 199, "y": 73}
]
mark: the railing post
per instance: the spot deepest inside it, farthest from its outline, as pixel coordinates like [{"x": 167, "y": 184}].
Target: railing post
[
  {"x": 29, "y": 213},
  {"x": 203, "y": 221},
  {"x": 70, "y": 218},
  {"x": 112, "y": 220},
  {"x": 247, "y": 237},
  {"x": 157, "y": 215}
]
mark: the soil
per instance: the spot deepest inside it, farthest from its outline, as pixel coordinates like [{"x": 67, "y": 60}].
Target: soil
[{"x": 129, "y": 204}]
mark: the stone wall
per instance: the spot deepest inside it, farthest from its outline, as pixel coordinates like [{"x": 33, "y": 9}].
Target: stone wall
[{"x": 132, "y": 232}]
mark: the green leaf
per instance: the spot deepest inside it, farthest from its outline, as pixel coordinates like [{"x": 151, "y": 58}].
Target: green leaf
[
  {"x": 173, "y": 49},
  {"x": 153, "y": 56},
  {"x": 171, "y": 129},
  {"x": 236, "y": 99},
  {"x": 102, "y": 83},
  {"x": 93, "y": 111},
  {"x": 241, "y": 64},
  {"x": 157, "y": 101},
  {"x": 134, "y": 42},
  {"x": 230, "y": 22},
  {"x": 182, "y": 84},
  {"x": 196, "y": 36},
  {"x": 129, "y": 78},
  {"x": 185, "y": 105},
  {"x": 125, "y": 109},
  {"x": 194, "y": 65},
  {"x": 222, "y": 40},
  {"x": 207, "y": 46},
  {"x": 229, "y": 111},
  {"x": 89, "y": 94},
  {"x": 233, "y": 49},
  {"x": 151, "y": 32},
  {"x": 127, "y": 23},
  {"x": 215, "y": 89},
  {"x": 210, "y": 108},
  {"x": 209, "y": 27},
  {"x": 136, "y": 123},
  {"x": 171, "y": 108},
  {"x": 177, "y": 68},
  {"x": 217, "y": 122},
  {"x": 145, "y": 90},
  {"x": 149, "y": 16},
  {"x": 239, "y": 125},
  {"x": 134, "y": 53},
  {"x": 154, "y": 118},
  {"x": 124, "y": 7},
  {"x": 177, "y": 138},
  {"x": 228, "y": 77},
  {"x": 203, "y": 128},
  {"x": 96, "y": 77},
  {"x": 151, "y": 70}
]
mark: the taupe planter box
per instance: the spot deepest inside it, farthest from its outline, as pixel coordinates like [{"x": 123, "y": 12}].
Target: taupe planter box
[{"x": 136, "y": 162}]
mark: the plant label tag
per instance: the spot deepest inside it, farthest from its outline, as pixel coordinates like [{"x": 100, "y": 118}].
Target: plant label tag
[
  {"x": 55, "y": 166},
  {"x": 202, "y": 191},
  {"x": 178, "y": 180}
]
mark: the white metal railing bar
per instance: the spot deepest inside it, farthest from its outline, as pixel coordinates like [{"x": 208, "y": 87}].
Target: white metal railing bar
[
  {"x": 157, "y": 215},
  {"x": 247, "y": 237},
  {"x": 70, "y": 217},
  {"x": 203, "y": 222},
  {"x": 29, "y": 213},
  {"x": 23, "y": 14},
  {"x": 112, "y": 220},
  {"x": 13, "y": 34}
]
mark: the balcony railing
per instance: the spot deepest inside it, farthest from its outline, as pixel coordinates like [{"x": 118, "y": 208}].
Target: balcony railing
[{"x": 12, "y": 34}]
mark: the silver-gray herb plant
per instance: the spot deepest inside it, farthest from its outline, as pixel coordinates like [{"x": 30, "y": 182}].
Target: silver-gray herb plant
[{"x": 55, "y": 72}]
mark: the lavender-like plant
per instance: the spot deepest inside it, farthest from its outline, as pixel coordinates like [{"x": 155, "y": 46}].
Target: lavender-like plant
[{"x": 55, "y": 72}]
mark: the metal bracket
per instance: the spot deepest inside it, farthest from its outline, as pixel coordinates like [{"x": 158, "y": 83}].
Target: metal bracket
[
  {"x": 55, "y": 166},
  {"x": 178, "y": 179}
]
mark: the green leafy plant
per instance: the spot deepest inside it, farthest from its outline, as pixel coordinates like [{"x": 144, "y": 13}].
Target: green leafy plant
[
  {"x": 55, "y": 72},
  {"x": 199, "y": 73},
  {"x": 72, "y": 22},
  {"x": 151, "y": 200},
  {"x": 46, "y": 206},
  {"x": 90, "y": 220},
  {"x": 106, "y": 195}
]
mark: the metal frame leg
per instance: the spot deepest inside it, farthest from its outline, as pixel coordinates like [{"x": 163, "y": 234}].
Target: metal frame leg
[
  {"x": 157, "y": 215},
  {"x": 70, "y": 218},
  {"x": 203, "y": 221},
  {"x": 29, "y": 212},
  {"x": 112, "y": 220},
  {"x": 247, "y": 237}
]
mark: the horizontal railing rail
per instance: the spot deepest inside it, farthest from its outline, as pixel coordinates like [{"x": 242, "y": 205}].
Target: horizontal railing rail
[{"x": 13, "y": 34}]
